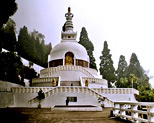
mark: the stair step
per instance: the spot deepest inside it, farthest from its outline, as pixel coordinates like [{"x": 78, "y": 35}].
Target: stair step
[{"x": 76, "y": 108}]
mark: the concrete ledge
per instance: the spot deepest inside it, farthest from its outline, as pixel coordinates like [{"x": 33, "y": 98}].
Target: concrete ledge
[{"x": 77, "y": 108}]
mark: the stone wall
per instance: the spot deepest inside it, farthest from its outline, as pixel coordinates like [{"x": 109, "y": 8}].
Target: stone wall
[{"x": 6, "y": 99}]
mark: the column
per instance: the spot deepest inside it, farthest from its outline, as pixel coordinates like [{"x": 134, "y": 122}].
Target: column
[
  {"x": 116, "y": 109},
  {"x": 133, "y": 113},
  {"x": 122, "y": 112},
  {"x": 63, "y": 61},
  {"x": 150, "y": 111}
]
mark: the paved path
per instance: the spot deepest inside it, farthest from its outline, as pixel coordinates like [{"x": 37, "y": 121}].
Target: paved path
[{"x": 34, "y": 115}]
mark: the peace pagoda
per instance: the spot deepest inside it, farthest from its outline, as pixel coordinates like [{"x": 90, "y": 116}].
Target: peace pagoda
[
  {"x": 68, "y": 82},
  {"x": 68, "y": 63}
]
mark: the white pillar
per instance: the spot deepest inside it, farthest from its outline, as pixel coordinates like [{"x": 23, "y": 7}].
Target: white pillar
[
  {"x": 134, "y": 114},
  {"x": 74, "y": 62},
  {"x": 122, "y": 112},
  {"x": 150, "y": 110},
  {"x": 63, "y": 61},
  {"x": 116, "y": 111}
]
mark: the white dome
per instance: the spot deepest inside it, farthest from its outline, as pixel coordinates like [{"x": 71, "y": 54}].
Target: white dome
[{"x": 59, "y": 51}]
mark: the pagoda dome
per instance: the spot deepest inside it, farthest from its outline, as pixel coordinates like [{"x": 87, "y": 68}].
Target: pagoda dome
[{"x": 59, "y": 51}]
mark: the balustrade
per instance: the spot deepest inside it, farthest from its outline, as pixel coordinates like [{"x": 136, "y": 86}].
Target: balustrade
[
  {"x": 50, "y": 71},
  {"x": 94, "y": 80},
  {"x": 134, "y": 111},
  {"x": 116, "y": 90},
  {"x": 30, "y": 90}
]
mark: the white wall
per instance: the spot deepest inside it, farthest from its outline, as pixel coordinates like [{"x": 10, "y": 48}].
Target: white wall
[
  {"x": 69, "y": 75},
  {"x": 21, "y": 99},
  {"x": 6, "y": 99}
]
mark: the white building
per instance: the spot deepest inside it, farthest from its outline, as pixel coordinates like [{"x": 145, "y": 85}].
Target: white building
[{"x": 68, "y": 77}]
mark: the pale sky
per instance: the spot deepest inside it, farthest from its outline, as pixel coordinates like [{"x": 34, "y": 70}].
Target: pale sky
[{"x": 127, "y": 25}]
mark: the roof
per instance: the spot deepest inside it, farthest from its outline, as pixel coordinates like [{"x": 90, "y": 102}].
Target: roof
[{"x": 59, "y": 51}]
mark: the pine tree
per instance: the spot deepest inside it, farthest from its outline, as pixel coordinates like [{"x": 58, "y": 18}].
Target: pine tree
[
  {"x": 120, "y": 72},
  {"x": 84, "y": 40},
  {"x": 135, "y": 67},
  {"x": 107, "y": 69},
  {"x": 23, "y": 38},
  {"x": 9, "y": 40}
]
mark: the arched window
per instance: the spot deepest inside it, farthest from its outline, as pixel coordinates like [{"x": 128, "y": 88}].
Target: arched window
[{"x": 69, "y": 58}]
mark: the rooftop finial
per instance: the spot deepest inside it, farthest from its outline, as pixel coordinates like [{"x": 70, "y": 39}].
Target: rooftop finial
[{"x": 69, "y": 9}]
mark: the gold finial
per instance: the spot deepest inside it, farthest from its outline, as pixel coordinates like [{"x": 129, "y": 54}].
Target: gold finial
[{"x": 69, "y": 9}]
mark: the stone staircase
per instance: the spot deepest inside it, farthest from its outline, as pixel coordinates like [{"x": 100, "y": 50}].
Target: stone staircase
[{"x": 74, "y": 89}]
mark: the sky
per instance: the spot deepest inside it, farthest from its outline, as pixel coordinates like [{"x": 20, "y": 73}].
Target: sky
[{"x": 127, "y": 25}]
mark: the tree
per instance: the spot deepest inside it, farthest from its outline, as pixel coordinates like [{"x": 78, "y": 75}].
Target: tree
[
  {"x": 32, "y": 47},
  {"x": 107, "y": 69},
  {"x": 22, "y": 46},
  {"x": 135, "y": 67},
  {"x": 9, "y": 40},
  {"x": 120, "y": 72},
  {"x": 7, "y": 9},
  {"x": 28, "y": 73},
  {"x": 123, "y": 83},
  {"x": 10, "y": 65},
  {"x": 146, "y": 93},
  {"x": 84, "y": 41}
]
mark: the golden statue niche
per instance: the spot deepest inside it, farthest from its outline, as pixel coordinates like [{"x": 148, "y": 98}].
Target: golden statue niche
[
  {"x": 69, "y": 58},
  {"x": 87, "y": 83},
  {"x": 54, "y": 82}
]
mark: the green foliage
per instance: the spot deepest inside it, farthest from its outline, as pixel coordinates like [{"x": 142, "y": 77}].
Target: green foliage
[
  {"x": 135, "y": 67},
  {"x": 146, "y": 93},
  {"x": 134, "y": 75},
  {"x": 28, "y": 73},
  {"x": 12, "y": 69},
  {"x": 11, "y": 66},
  {"x": 107, "y": 69},
  {"x": 8, "y": 36},
  {"x": 84, "y": 40},
  {"x": 32, "y": 47},
  {"x": 120, "y": 72},
  {"x": 7, "y": 9}
]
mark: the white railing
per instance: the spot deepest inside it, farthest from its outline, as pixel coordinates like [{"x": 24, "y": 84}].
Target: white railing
[
  {"x": 116, "y": 90},
  {"x": 134, "y": 111},
  {"x": 47, "y": 79},
  {"x": 95, "y": 80},
  {"x": 74, "y": 89},
  {"x": 98, "y": 90},
  {"x": 49, "y": 71},
  {"x": 30, "y": 89},
  {"x": 6, "y": 86}
]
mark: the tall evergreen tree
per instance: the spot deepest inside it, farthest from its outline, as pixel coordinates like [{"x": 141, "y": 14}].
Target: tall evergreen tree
[
  {"x": 84, "y": 40},
  {"x": 9, "y": 41},
  {"x": 23, "y": 46},
  {"x": 120, "y": 72},
  {"x": 107, "y": 69},
  {"x": 10, "y": 65},
  {"x": 135, "y": 67}
]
